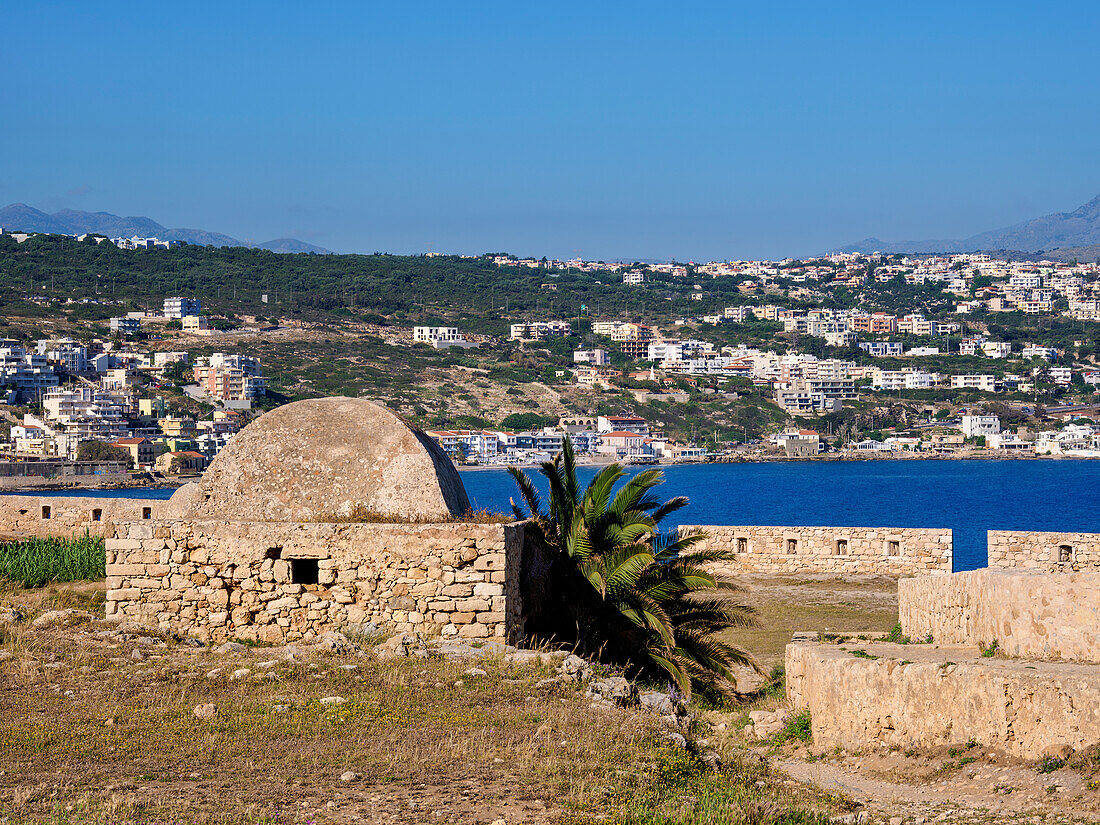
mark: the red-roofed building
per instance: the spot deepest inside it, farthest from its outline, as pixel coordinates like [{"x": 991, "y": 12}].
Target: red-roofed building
[{"x": 143, "y": 452}]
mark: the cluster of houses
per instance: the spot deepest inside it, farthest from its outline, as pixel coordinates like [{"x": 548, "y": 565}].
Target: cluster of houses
[
  {"x": 619, "y": 437},
  {"x": 101, "y": 392}
]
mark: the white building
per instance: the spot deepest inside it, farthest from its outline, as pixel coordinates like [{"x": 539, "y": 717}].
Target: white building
[
  {"x": 633, "y": 278},
  {"x": 538, "y": 330},
  {"x": 182, "y": 307},
  {"x": 978, "y": 425},
  {"x": 441, "y": 337},
  {"x": 596, "y": 357}
]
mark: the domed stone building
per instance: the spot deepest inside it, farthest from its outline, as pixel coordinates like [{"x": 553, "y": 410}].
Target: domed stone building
[{"x": 328, "y": 514}]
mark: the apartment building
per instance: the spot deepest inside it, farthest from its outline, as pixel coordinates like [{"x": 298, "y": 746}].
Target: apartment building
[
  {"x": 85, "y": 414},
  {"x": 633, "y": 278},
  {"x": 878, "y": 323},
  {"x": 540, "y": 330},
  {"x": 800, "y": 397},
  {"x": 230, "y": 377},
  {"x": 180, "y": 308},
  {"x": 882, "y": 349},
  {"x": 64, "y": 353},
  {"x": 985, "y": 383},
  {"x": 595, "y": 357},
  {"x": 26, "y": 374},
  {"x": 614, "y": 423},
  {"x": 979, "y": 425},
  {"x": 124, "y": 325}
]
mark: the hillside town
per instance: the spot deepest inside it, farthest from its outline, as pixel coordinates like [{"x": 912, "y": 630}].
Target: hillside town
[{"x": 809, "y": 340}]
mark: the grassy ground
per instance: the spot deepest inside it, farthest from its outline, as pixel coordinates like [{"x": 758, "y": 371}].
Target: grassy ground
[
  {"x": 787, "y": 604},
  {"x": 101, "y": 728}
]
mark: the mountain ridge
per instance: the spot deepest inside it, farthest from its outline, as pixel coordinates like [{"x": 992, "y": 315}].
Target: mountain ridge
[
  {"x": 23, "y": 218},
  {"x": 1058, "y": 230}
]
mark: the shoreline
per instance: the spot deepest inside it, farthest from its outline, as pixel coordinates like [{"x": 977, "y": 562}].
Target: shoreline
[{"x": 767, "y": 459}]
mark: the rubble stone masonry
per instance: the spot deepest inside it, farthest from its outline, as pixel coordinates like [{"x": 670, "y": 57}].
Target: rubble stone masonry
[
  {"x": 924, "y": 696},
  {"x": 275, "y": 582},
  {"x": 72, "y": 515},
  {"x": 1029, "y": 614},
  {"x": 1046, "y": 552},
  {"x": 886, "y": 551}
]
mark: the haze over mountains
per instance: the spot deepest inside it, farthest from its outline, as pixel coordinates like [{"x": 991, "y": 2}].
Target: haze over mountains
[
  {"x": 22, "y": 218},
  {"x": 1072, "y": 234}
]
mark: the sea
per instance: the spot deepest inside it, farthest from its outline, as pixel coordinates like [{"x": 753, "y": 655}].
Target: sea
[{"x": 968, "y": 497}]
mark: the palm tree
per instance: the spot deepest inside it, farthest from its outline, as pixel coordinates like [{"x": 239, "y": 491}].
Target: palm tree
[{"x": 601, "y": 575}]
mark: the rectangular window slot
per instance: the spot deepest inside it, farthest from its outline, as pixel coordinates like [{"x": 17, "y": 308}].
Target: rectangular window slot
[
  {"x": 1065, "y": 553},
  {"x": 893, "y": 548},
  {"x": 742, "y": 545},
  {"x": 303, "y": 571},
  {"x": 146, "y": 512},
  {"x": 97, "y": 515},
  {"x": 842, "y": 547},
  {"x": 47, "y": 512},
  {"x": 792, "y": 545}
]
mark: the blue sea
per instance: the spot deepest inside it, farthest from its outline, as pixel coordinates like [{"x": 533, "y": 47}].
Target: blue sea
[{"x": 969, "y": 497}]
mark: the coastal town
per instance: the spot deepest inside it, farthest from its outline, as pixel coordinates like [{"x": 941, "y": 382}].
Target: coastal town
[{"x": 807, "y": 344}]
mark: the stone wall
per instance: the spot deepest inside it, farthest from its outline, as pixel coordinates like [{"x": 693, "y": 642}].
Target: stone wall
[
  {"x": 1048, "y": 552},
  {"x": 886, "y": 551},
  {"x": 273, "y": 582},
  {"x": 942, "y": 697},
  {"x": 1031, "y": 615},
  {"x": 72, "y": 515}
]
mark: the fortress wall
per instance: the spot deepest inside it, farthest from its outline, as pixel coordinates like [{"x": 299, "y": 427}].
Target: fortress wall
[
  {"x": 885, "y": 551},
  {"x": 72, "y": 515},
  {"x": 275, "y": 582},
  {"x": 1047, "y": 552},
  {"x": 947, "y": 696},
  {"x": 1031, "y": 615}
]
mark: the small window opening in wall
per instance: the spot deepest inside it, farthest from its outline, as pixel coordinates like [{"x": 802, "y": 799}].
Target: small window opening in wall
[
  {"x": 47, "y": 512},
  {"x": 273, "y": 553},
  {"x": 303, "y": 571},
  {"x": 1065, "y": 553},
  {"x": 842, "y": 547},
  {"x": 146, "y": 512},
  {"x": 792, "y": 545},
  {"x": 893, "y": 548},
  {"x": 742, "y": 545},
  {"x": 97, "y": 514}
]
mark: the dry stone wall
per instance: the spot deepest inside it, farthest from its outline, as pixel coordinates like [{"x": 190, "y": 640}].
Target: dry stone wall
[
  {"x": 72, "y": 515},
  {"x": 274, "y": 582},
  {"x": 1030, "y": 615},
  {"x": 883, "y": 551},
  {"x": 920, "y": 696},
  {"x": 1047, "y": 552}
]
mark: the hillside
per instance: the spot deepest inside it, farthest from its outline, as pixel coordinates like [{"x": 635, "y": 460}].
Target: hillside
[
  {"x": 1058, "y": 231},
  {"x": 22, "y": 218}
]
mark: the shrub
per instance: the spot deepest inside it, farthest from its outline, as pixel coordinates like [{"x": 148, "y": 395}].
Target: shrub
[{"x": 34, "y": 562}]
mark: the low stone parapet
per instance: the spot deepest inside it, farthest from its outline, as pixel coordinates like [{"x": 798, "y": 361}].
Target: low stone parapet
[
  {"x": 924, "y": 696},
  {"x": 72, "y": 515},
  {"x": 886, "y": 551},
  {"x": 275, "y": 582},
  {"x": 1028, "y": 614},
  {"x": 1044, "y": 552}
]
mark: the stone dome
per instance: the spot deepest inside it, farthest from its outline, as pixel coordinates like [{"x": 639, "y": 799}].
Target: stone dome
[{"x": 322, "y": 457}]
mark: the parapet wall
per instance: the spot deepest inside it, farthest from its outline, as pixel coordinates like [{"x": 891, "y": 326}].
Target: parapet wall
[
  {"x": 1028, "y": 614},
  {"x": 274, "y": 582},
  {"x": 1047, "y": 552},
  {"x": 886, "y": 551},
  {"x": 72, "y": 515},
  {"x": 915, "y": 696}
]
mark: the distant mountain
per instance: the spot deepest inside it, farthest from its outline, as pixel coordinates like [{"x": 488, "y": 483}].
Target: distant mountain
[
  {"x": 22, "y": 218},
  {"x": 291, "y": 245},
  {"x": 1062, "y": 230}
]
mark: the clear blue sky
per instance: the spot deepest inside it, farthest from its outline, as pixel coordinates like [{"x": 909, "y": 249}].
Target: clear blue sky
[{"x": 633, "y": 129}]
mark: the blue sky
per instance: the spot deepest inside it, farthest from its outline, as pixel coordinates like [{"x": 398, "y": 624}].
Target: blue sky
[{"x": 606, "y": 129}]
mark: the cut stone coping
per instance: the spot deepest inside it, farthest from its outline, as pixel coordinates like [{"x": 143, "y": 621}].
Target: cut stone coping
[{"x": 920, "y": 695}]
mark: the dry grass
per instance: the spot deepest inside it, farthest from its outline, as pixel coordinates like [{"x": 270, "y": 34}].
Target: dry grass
[
  {"x": 363, "y": 515},
  {"x": 786, "y": 604},
  {"x": 91, "y": 734}
]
